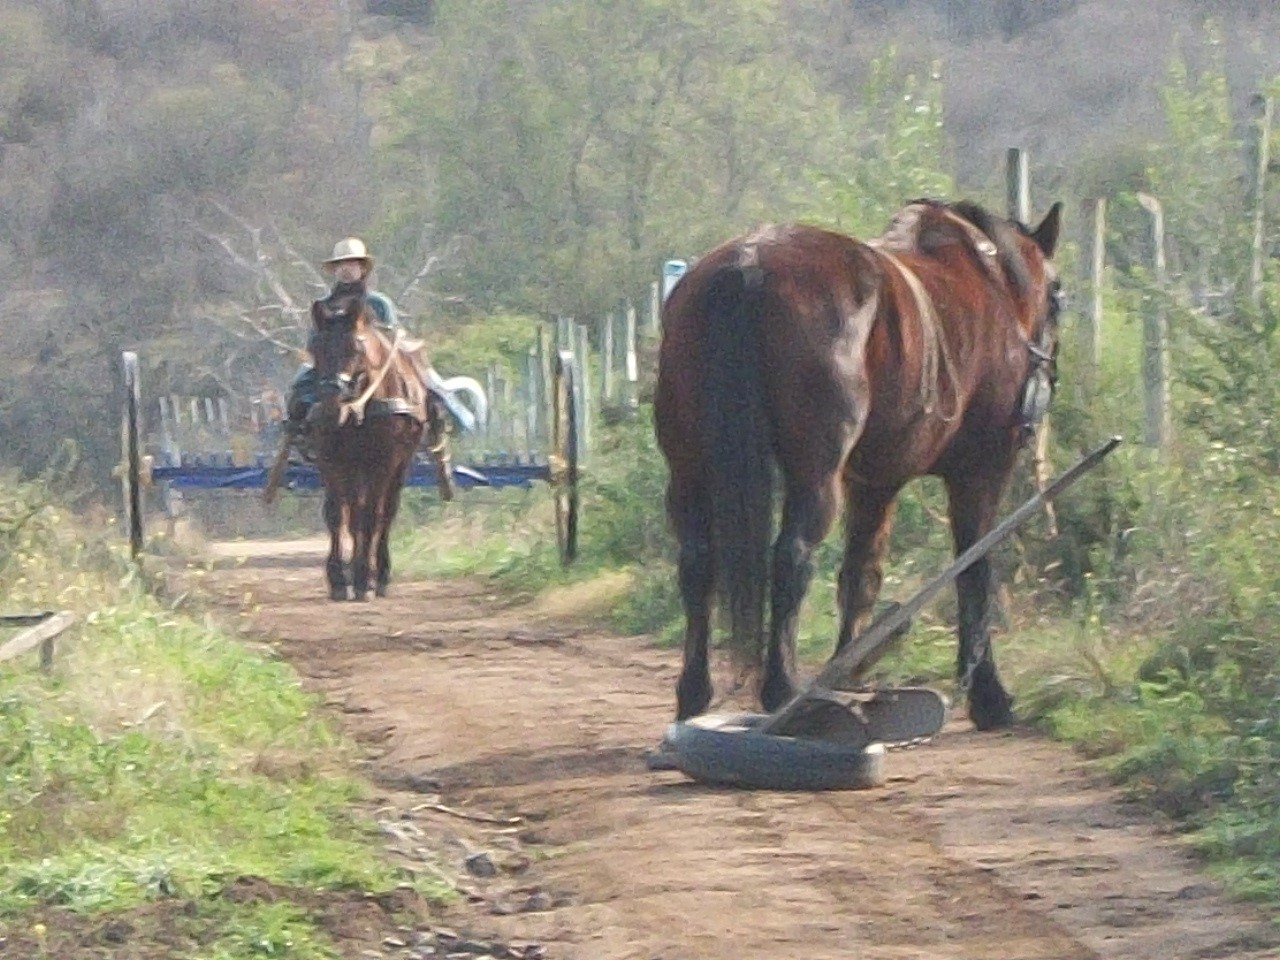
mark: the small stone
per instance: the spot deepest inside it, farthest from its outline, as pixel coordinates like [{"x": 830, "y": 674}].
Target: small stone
[
  {"x": 538, "y": 902},
  {"x": 394, "y": 942},
  {"x": 480, "y": 865}
]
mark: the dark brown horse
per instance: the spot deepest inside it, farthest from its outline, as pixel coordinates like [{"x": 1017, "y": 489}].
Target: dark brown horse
[
  {"x": 848, "y": 368},
  {"x": 367, "y": 422}
]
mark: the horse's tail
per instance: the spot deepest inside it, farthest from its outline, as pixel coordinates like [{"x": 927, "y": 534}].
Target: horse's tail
[{"x": 739, "y": 444}]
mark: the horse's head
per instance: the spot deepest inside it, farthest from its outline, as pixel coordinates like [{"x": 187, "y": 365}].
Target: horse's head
[
  {"x": 1021, "y": 259},
  {"x": 1043, "y": 301},
  {"x": 337, "y": 344}
]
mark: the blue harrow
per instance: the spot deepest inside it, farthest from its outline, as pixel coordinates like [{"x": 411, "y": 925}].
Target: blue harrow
[{"x": 219, "y": 471}]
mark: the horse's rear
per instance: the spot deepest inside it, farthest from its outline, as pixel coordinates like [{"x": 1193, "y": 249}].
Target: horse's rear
[{"x": 846, "y": 369}]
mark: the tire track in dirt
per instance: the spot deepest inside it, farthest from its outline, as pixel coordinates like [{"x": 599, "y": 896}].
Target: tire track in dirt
[{"x": 981, "y": 846}]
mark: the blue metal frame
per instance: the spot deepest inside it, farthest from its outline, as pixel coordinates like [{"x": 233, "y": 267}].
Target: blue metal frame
[{"x": 216, "y": 472}]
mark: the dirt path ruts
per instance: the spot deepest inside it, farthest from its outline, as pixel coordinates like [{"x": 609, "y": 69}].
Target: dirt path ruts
[{"x": 981, "y": 846}]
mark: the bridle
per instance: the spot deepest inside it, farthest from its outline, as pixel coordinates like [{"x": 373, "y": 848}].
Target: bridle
[{"x": 1041, "y": 382}]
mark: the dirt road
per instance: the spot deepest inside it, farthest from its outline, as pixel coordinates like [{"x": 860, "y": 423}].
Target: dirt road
[{"x": 514, "y": 744}]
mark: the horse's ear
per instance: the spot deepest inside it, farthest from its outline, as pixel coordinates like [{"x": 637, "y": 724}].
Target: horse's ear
[{"x": 1046, "y": 235}]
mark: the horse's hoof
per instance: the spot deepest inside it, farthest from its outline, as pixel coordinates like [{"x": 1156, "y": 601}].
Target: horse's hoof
[
  {"x": 994, "y": 711},
  {"x": 337, "y": 593},
  {"x": 361, "y": 596},
  {"x": 692, "y": 697},
  {"x": 380, "y": 590},
  {"x": 776, "y": 693}
]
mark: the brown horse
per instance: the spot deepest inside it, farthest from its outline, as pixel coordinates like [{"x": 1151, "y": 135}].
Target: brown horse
[
  {"x": 850, "y": 368},
  {"x": 367, "y": 422}
]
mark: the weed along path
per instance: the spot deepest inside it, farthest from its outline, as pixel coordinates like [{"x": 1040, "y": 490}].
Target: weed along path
[{"x": 508, "y": 749}]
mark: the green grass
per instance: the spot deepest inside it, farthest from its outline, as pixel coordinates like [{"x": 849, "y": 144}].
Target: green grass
[{"x": 163, "y": 759}]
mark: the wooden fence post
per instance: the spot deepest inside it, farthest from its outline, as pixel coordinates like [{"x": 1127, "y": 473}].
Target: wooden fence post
[
  {"x": 1263, "y": 155},
  {"x": 493, "y": 419},
  {"x": 1097, "y": 274},
  {"x": 529, "y": 398},
  {"x": 1017, "y": 180},
  {"x": 632, "y": 362},
  {"x": 581, "y": 346},
  {"x": 606, "y": 360},
  {"x": 1018, "y": 203},
  {"x": 1155, "y": 338}
]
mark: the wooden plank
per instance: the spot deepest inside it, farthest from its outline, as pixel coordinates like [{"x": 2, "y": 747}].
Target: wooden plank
[{"x": 41, "y": 635}]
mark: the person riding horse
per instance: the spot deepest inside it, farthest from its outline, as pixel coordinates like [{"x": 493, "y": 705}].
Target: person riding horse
[{"x": 350, "y": 267}]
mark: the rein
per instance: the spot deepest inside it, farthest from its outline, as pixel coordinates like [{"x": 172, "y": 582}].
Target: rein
[{"x": 355, "y": 408}]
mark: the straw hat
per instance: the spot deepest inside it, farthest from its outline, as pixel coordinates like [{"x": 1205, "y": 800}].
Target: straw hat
[{"x": 349, "y": 248}]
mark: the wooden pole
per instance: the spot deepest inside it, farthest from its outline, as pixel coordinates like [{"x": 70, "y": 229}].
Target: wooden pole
[
  {"x": 582, "y": 348},
  {"x": 132, "y": 460},
  {"x": 857, "y": 657},
  {"x": 1260, "y": 200},
  {"x": 1017, "y": 178},
  {"x": 492, "y": 420},
  {"x": 1157, "y": 423},
  {"x": 633, "y": 363},
  {"x": 529, "y": 397},
  {"x": 1018, "y": 202},
  {"x": 1097, "y": 277},
  {"x": 544, "y": 379},
  {"x": 606, "y": 359}
]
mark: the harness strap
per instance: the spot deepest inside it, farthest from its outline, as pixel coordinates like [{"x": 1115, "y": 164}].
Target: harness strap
[
  {"x": 934, "y": 340},
  {"x": 355, "y": 408}
]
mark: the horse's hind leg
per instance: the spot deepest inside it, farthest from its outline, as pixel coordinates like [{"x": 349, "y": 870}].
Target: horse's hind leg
[
  {"x": 334, "y": 514},
  {"x": 868, "y": 524},
  {"x": 973, "y": 503},
  {"x": 807, "y": 515},
  {"x": 691, "y": 517}
]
